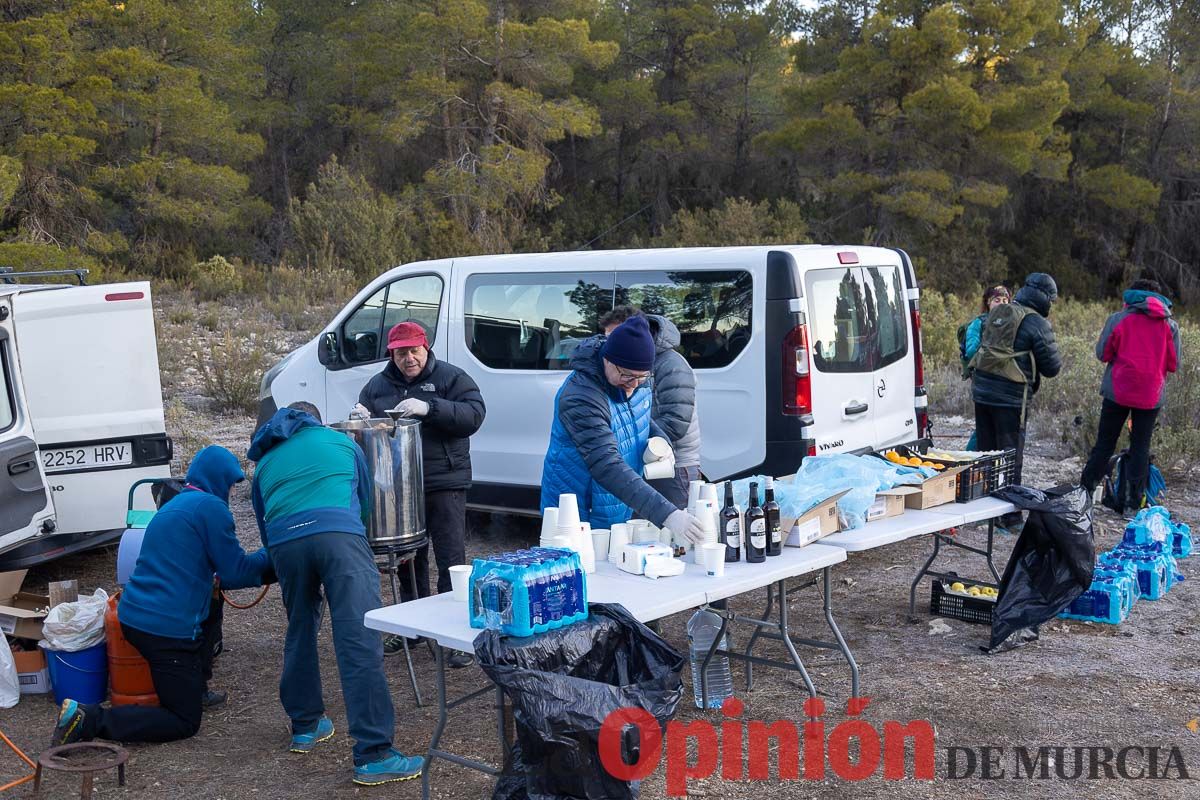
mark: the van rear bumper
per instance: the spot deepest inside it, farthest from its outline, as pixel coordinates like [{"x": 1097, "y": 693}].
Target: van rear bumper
[{"x": 56, "y": 545}]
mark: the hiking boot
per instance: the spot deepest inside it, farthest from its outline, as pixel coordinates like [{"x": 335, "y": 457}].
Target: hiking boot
[
  {"x": 305, "y": 742},
  {"x": 212, "y": 699},
  {"x": 393, "y": 644},
  {"x": 69, "y": 727},
  {"x": 459, "y": 659},
  {"x": 393, "y": 767}
]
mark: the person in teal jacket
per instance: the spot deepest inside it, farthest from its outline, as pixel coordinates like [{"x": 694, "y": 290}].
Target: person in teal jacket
[
  {"x": 165, "y": 603},
  {"x": 311, "y": 497},
  {"x": 971, "y": 334}
]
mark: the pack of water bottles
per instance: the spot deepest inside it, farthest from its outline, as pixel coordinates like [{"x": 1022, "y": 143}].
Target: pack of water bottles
[
  {"x": 1157, "y": 570},
  {"x": 1154, "y": 525},
  {"x": 1110, "y": 598},
  {"x": 528, "y": 591}
]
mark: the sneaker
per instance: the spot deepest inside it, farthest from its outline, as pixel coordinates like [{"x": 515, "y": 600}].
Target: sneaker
[
  {"x": 393, "y": 644},
  {"x": 69, "y": 727},
  {"x": 304, "y": 742},
  {"x": 458, "y": 660},
  {"x": 212, "y": 699},
  {"x": 391, "y": 768}
]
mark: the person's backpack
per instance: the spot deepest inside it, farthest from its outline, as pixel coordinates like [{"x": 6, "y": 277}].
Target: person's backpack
[
  {"x": 1116, "y": 488},
  {"x": 996, "y": 355},
  {"x": 962, "y": 349}
]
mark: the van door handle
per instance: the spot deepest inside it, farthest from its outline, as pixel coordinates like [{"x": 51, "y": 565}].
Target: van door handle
[
  {"x": 19, "y": 467},
  {"x": 860, "y": 408}
]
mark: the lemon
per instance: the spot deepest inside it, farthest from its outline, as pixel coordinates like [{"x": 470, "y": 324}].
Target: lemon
[
  {"x": 957, "y": 586},
  {"x": 974, "y": 591}
]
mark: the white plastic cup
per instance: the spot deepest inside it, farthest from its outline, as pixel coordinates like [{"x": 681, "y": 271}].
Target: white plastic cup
[
  {"x": 659, "y": 470},
  {"x": 657, "y": 449},
  {"x": 713, "y": 556},
  {"x": 618, "y": 537},
  {"x": 460, "y": 582},
  {"x": 549, "y": 522},
  {"x": 600, "y": 539},
  {"x": 693, "y": 494},
  {"x": 708, "y": 491},
  {"x": 563, "y": 542},
  {"x": 568, "y": 512}
]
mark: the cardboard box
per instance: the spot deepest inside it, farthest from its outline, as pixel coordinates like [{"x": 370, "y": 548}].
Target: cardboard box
[
  {"x": 819, "y": 521},
  {"x": 936, "y": 491},
  {"x": 889, "y": 503},
  {"x": 10, "y": 582},
  {"x": 32, "y": 673},
  {"x": 22, "y": 615}
]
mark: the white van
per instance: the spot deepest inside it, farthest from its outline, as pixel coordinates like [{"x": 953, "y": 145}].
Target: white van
[
  {"x": 797, "y": 349},
  {"x": 81, "y": 415}
]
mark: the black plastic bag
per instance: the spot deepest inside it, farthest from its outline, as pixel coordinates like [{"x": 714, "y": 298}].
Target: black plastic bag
[
  {"x": 1050, "y": 566},
  {"x": 563, "y": 685}
]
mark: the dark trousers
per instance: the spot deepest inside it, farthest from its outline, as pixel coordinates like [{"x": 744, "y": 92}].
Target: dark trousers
[
  {"x": 177, "y": 668},
  {"x": 676, "y": 489},
  {"x": 999, "y": 428},
  {"x": 343, "y": 565},
  {"x": 446, "y": 524},
  {"x": 211, "y": 633},
  {"x": 1137, "y": 464}
]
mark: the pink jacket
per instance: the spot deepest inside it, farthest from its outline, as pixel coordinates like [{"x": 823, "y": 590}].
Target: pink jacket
[{"x": 1141, "y": 345}]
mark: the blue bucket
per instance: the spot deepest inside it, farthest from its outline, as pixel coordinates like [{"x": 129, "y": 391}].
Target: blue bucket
[{"x": 80, "y": 676}]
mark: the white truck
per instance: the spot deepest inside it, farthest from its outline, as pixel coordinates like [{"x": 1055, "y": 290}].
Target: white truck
[{"x": 81, "y": 414}]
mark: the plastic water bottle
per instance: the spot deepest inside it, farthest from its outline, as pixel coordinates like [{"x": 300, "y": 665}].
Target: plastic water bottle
[{"x": 702, "y": 630}]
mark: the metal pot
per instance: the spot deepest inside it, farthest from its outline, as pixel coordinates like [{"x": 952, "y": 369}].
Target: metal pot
[{"x": 393, "y": 451}]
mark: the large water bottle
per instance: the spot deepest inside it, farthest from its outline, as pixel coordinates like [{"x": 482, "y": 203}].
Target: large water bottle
[{"x": 702, "y": 630}]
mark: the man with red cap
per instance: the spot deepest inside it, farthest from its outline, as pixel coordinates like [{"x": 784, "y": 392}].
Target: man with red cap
[{"x": 450, "y": 407}]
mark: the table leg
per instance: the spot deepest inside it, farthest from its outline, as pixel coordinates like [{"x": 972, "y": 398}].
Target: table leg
[
  {"x": 502, "y": 724},
  {"x": 85, "y": 790},
  {"x": 120, "y": 775},
  {"x": 786, "y": 635},
  {"x": 912, "y": 591},
  {"x": 991, "y": 539},
  {"x": 837, "y": 634},
  {"x": 440, "y": 670},
  {"x": 757, "y": 631}
]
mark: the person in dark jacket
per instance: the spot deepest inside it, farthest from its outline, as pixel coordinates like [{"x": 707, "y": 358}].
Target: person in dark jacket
[
  {"x": 599, "y": 433},
  {"x": 1000, "y": 402},
  {"x": 312, "y": 498},
  {"x": 166, "y": 602},
  {"x": 448, "y": 402},
  {"x": 674, "y": 406},
  {"x": 1140, "y": 345}
]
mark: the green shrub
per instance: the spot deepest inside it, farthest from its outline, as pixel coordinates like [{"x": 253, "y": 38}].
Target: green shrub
[
  {"x": 232, "y": 369},
  {"x": 216, "y": 279},
  {"x": 181, "y": 427}
]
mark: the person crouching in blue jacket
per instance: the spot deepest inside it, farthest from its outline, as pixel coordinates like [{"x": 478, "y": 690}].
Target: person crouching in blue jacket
[
  {"x": 166, "y": 602},
  {"x": 602, "y": 422}
]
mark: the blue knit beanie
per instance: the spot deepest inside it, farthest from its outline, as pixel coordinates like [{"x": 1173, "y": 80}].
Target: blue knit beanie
[{"x": 630, "y": 345}]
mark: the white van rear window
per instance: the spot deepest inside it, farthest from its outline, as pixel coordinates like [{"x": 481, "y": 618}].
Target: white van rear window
[
  {"x": 857, "y": 318},
  {"x": 6, "y": 394}
]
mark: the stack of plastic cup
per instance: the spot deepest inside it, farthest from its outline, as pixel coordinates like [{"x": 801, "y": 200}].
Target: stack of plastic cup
[
  {"x": 708, "y": 491},
  {"x": 549, "y": 526},
  {"x": 706, "y": 513},
  {"x": 583, "y": 546},
  {"x": 618, "y": 537},
  {"x": 693, "y": 495},
  {"x": 568, "y": 519}
]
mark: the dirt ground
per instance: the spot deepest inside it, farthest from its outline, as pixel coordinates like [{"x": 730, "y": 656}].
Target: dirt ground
[{"x": 1082, "y": 685}]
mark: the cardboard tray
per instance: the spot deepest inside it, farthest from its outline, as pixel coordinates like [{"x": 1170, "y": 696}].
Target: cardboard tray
[
  {"x": 22, "y": 615},
  {"x": 816, "y": 523}
]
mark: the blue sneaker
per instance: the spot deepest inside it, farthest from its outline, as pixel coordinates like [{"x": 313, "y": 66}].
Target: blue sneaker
[
  {"x": 304, "y": 742},
  {"x": 391, "y": 768},
  {"x": 69, "y": 727}
]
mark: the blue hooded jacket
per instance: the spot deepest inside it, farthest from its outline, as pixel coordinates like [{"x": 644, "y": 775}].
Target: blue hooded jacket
[
  {"x": 188, "y": 540},
  {"x": 308, "y": 479},
  {"x": 596, "y": 444}
]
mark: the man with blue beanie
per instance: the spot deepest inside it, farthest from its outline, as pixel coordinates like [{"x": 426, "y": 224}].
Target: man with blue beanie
[
  {"x": 166, "y": 602},
  {"x": 602, "y": 422},
  {"x": 312, "y": 497}
]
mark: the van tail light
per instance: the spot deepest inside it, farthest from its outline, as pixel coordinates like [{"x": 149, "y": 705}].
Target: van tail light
[
  {"x": 812, "y": 449},
  {"x": 922, "y": 422},
  {"x": 919, "y": 356},
  {"x": 797, "y": 385}
]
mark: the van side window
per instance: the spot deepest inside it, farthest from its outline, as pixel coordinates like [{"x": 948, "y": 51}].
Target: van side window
[
  {"x": 416, "y": 299},
  {"x": 711, "y": 309},
  {"x": 857, "y": 318},
  {"x": 534, "y": 320},
  {"x": 7, "y": 413}
]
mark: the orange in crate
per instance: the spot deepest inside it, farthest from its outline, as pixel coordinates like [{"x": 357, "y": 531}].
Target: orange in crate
[{"x": 128, "y": 673}]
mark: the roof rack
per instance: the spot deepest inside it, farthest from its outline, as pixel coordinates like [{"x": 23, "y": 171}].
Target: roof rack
[{"x": 10, "y": 275}]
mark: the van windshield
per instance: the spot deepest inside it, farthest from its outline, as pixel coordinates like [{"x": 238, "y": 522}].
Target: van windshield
[{"x": 856, "y": 318}]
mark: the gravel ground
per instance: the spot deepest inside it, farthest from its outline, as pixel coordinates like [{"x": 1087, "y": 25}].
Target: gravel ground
[{"x": 1081, "y": 685}]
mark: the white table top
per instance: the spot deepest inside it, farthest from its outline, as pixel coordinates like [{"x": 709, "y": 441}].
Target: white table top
[
  {"x": 976, "y": 510},
  {"x": 915, "y": 522},
  {"x": 443, "y": 619}
]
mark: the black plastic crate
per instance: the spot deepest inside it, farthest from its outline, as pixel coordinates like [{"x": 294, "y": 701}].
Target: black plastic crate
[
  {"x": 980, "y": 477},
  {"x": 945, "y": 603}
]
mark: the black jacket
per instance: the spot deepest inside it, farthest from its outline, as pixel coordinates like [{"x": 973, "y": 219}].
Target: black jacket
[
  {"x": 455, "y": 412},
  {"x": 1036, "y": 336}
]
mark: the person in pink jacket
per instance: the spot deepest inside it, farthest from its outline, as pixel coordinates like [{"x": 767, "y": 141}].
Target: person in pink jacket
[{"x": 1140, "y": 345}]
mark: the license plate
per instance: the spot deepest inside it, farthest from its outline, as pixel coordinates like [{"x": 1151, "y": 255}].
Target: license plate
[{"x": 92, "y": 456}]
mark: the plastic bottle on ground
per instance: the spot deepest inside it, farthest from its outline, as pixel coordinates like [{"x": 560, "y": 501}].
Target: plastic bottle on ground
[{"x": 702, "y": 630}]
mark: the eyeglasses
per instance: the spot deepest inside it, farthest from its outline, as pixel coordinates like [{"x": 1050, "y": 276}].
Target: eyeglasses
[{"x": 631, "y": 377}]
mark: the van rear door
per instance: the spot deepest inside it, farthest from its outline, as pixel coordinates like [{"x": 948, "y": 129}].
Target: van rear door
[
  {"x": 25, "y": 505},
  {"x": 893, "y": 379},
  {"x": 842, "y": 345}
]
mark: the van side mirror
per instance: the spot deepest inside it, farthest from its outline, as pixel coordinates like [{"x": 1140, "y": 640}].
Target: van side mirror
[{"x": 327, "y": 351}]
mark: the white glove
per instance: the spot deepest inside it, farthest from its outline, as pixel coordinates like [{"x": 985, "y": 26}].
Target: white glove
[
  {"x": 412, "y": 407},
  {"x": 658, "y": 449},
  {"x": 684, "y": 526},
  {"x": 360, "y": 412}
]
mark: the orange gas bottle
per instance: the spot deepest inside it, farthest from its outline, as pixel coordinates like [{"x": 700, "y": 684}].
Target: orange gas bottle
[{"x": 128, "y": 673}]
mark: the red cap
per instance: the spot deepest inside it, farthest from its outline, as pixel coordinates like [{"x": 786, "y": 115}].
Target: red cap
[{"x": 407, "y": 334}]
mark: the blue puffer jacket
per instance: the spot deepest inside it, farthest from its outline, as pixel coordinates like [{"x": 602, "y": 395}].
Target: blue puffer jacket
[{"x": 596, "y": 446}]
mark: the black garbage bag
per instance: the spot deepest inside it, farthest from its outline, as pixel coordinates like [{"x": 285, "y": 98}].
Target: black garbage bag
[
  {"x": 562, "y": 685},
  {"x": 1050, "y": 566}
]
